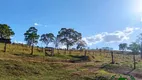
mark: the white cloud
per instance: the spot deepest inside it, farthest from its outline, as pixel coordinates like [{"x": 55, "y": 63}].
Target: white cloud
[
  {"x": 116, "y": 36},
  {"x": 93, "y": 39},
  {"x": 60, "y": 45},
  {"x": 42, "y": 25},
  {"x": 19, "y": 42},
  {"x": 36, "y": 24}
]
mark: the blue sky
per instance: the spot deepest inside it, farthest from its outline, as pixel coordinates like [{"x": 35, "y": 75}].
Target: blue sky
[{"x": 106, "y": 19}]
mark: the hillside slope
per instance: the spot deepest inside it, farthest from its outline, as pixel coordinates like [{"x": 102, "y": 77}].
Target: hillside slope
[{"x": 18, "y": 64}]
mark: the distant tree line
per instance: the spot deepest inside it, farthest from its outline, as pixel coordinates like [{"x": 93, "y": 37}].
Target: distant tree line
[{"x": 134, "y": 47}]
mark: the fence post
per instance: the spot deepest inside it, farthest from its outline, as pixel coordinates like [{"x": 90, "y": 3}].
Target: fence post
[{"x": 112, "y": 57}]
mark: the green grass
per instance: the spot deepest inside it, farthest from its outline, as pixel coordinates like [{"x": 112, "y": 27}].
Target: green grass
[
  {"x": 29, "y": 70},
  {"x": 18, "y": 64}
]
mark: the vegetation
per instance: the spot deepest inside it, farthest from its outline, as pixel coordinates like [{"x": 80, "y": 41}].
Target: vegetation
[
  {"x": 31, "y": 37},
  {"x": 69, "y": 37},
  {"x": 5, "y": 33},
  {"x": 47, "y": 38},
  {"x": 140, "y": 42},
  {"x": 81, "y": 44},
  {"x": 134, "y": 47},
  {"x": 57, "y": 41},
  {"x": 123, "y": 47},
  {"x": 77, "y": 64}
]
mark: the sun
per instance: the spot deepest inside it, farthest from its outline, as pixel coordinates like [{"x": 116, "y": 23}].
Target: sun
[{"x": 138, "y": 6}]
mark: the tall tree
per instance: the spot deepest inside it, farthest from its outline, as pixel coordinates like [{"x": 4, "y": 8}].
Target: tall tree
[
  {"x": 47, "y": 38},
  {"x": 69, "y": 36},
  {"x": 134, "y": 47},
  {"x": 139, "y": 40},
  {"x": 31, "y": 37},
  {"x": 57, "y": 41},
  {"x": 123, "y": 47},
  {"x": 81, "y": 44},
  {"x": 5, "y": 33}
]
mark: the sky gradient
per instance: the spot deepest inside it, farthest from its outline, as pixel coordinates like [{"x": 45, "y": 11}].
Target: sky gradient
[{"x": 101, "y": 22}]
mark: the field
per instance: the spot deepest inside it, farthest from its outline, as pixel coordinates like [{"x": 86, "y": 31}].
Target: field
[{"x": 18, "y": 64}]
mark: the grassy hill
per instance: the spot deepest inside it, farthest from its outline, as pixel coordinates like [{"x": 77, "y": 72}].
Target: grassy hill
[{"x": 18, "y": 64}]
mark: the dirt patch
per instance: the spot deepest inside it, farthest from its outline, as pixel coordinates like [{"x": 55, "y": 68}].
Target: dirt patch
[{"x": 137, "y": 75}]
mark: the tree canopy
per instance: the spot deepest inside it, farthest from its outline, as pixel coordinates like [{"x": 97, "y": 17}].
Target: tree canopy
[
  {"x": 47, "y": 38},
  {"x": 69, "y": 36},
  {"x": 5, "y": 31},
  {"x": 139, "y": 40},
  {"x": 123, "y": 46},
  {"x": 81, "y": 44},
  {"x": 134, "y": 47},
  {"x": 31, "y": 37},
  {"x": 57, "y": 41}
]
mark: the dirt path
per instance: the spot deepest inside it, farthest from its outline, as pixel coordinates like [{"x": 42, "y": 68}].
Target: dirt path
[{"x": 125, "y": 71}]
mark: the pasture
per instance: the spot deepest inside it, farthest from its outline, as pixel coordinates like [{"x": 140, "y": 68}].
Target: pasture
[{"x": 18, "y": 64}]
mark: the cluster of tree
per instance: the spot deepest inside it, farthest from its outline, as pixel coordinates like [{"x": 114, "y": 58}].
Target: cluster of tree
[
  {"x": 65, "y": 36},
  {"x": 68, "y": 37},
  {"x": 135, "y": 47}
]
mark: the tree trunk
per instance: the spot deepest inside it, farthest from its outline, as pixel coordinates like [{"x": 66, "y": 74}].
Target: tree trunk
[
  {"x": 5, "y": 47},
  {"x": 112, "y": 57},
  {"x": 67, "y": 47},
  {"x": 85, "y": 53},
  {"x": 141, "y": 53},
  {"x": 134, "y": 61},
  {"x": 58, "y": 51},
  {"x": 32, "y": 50},
  {"x": 52, "y": 52},
  {"x": 141, "y": 50}
]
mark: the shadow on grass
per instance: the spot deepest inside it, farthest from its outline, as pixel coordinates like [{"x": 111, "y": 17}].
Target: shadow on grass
[
  {"x": 76, "y": 59},
  {"x": 26, "y": 55},
  {"x": 71, "y": 58},
  {"x": 130, "y": 72}
]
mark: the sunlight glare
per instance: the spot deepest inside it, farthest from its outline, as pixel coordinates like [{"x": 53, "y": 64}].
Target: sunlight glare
[{"x": 138, "y": 6}]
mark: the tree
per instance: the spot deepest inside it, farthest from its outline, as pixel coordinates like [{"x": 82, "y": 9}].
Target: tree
[
  {"x": 134, "y": 47},
  {"x": 139, "y": 40},
  {"x": 29, "y": 43},
  {"x": 47, "y": 38},
  {"x": 81, "y": 44},
  {"x": 69, "y": 36},
  {"x": 57, "y": 41},
  {"x": 31, "y": 37},
  {"x": 123, "y": 47},
  {"x": 5, "y": 33}
]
